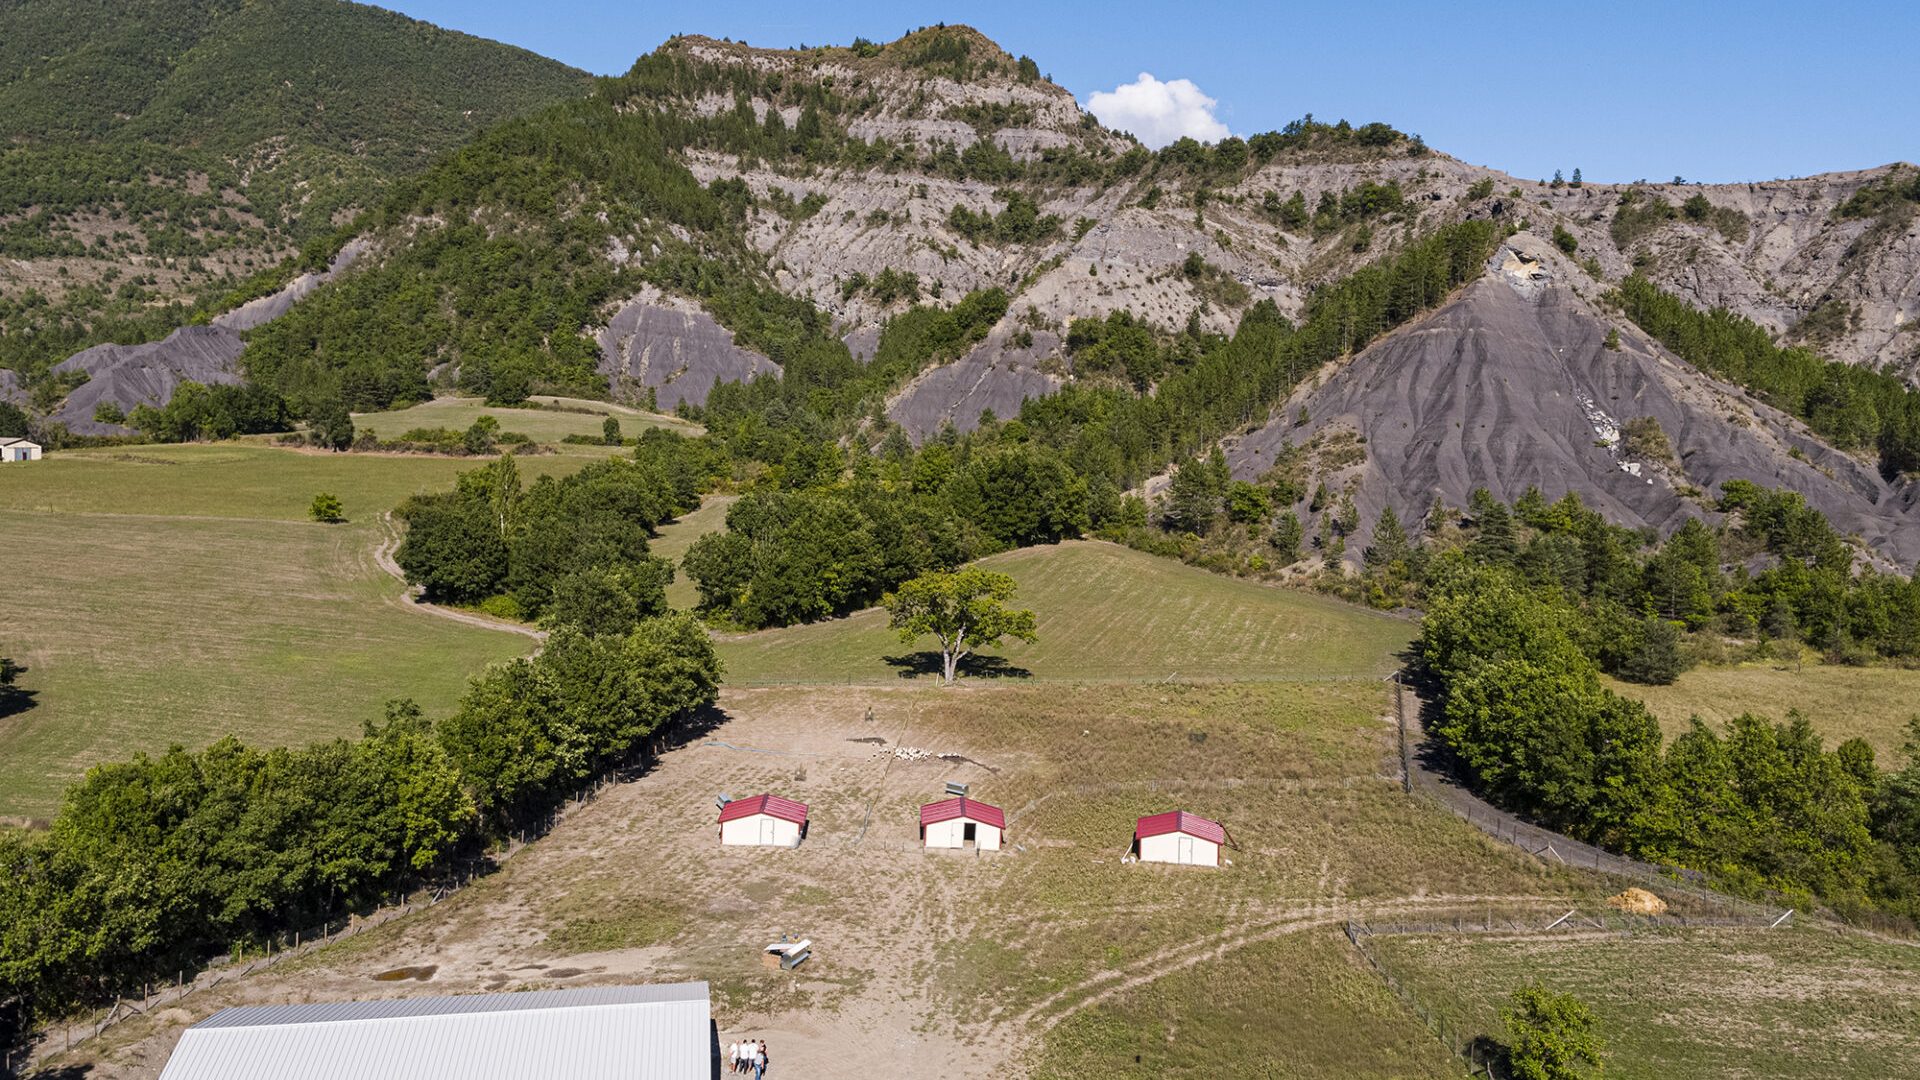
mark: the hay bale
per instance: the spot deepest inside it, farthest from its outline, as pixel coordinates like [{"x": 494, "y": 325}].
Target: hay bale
[{"x": 1638, "y": 901}]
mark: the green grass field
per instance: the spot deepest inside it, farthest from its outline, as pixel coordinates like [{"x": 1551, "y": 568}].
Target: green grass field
[
  {"x": 1106, "y": 612},
  {"x": 138, "y": 632},
  {"x": 1300, "y": 1006},
  {"x": 1873, "y": 703},
  {"x": 168, "y": 594},
  {"x": 677, "y": 536},
  {"x": 1786, "y": 1004},
  {"x": 542, "y": 425},
  {"x": 240, "y": 480}
]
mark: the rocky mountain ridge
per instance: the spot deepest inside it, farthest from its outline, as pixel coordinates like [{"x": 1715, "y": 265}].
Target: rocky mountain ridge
[{"x": 874, "y": 178}]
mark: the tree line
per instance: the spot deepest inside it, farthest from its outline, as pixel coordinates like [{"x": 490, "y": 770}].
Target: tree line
[
  {"x": 570, "y": 550},
  {"x": 155, "y": 864},
  {"x": 1759, "y": 805}
]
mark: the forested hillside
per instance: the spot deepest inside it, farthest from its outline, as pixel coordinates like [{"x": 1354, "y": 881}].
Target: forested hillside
[{"x": 158, "y": 153}]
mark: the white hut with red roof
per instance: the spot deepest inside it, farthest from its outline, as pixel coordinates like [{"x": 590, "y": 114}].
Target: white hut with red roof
[
  {"x": 1179, "y": 837},
  {"x": 962, "y": 823},
  {"x": 764, "y": 820}
]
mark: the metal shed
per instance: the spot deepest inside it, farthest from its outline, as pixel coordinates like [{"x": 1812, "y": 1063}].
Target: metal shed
[
  {"x": 598, "y": 1033},
  {"x": 1179, "y": 837},
  {"x": 766, "y": 820},
  {"x": 962, "y": 823}
]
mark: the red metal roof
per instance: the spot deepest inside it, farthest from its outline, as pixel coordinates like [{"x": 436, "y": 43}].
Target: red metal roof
[
  {"x": 771, "y": 805},
  {"x": 971, "y": 809},
  {"x": 1179, "y": 821}
]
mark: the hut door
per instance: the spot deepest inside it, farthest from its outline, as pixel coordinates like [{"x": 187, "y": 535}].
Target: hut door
[
  {"x": 1183, "y": 849},
  {"x": 968, "y": 833},
  {"x": 766, "y": 830}
]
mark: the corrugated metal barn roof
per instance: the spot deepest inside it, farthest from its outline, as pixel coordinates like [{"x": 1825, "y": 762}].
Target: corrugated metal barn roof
[
  {"x": 1181, "y": 822},
  {"x": 971, "y": 809},
  {"x": 771, "y": 805},
  {"x": 597, "y": 1033}
]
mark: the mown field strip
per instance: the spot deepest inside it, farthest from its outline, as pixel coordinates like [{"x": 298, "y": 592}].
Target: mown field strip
[
  {"x": 242, "y": 480},
  {"x": 1873, "y": 703},
  {"x": 543, "y": 425}
]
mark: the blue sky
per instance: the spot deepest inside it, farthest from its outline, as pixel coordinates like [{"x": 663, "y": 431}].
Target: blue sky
[{"x": 1717, "y": 92}]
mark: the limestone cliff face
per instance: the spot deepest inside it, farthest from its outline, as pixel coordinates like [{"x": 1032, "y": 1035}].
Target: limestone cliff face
[
  {"x": 1508, "y": 386},
  {"x": 1774, "y": 251}
]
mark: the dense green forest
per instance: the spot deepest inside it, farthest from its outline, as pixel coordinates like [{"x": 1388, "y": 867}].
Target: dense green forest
[{"x": 212, "y": 139}]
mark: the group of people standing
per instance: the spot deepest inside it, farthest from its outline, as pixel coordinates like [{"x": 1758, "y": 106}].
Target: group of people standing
[{"x": 748, "y": 1056}]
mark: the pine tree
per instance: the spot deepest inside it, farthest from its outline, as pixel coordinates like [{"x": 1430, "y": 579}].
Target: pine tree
[
  {"x": 1494, "y": 541},
  {"x": 1287, "y": 537},
  {"x": 1389, "y": 541}
]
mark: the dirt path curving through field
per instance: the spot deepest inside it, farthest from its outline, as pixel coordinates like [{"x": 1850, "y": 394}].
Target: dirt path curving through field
[{"x": 410, "y": 596}]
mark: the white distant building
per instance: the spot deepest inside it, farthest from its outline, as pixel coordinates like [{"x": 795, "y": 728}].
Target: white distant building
[
  {"x": 1179, "y": 837},
  {"x": 765, "y": 820},
  {"x": 597, "y": 1033},
  {"x": 962, "y": 823},
  {"x": 18, "y": 450}
]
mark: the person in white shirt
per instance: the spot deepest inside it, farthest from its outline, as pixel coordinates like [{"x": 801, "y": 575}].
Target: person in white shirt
[{"x": 733, "y": 1057}]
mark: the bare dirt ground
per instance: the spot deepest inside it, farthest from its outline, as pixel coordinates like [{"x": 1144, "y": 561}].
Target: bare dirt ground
[{"x": 927, "y": 964}]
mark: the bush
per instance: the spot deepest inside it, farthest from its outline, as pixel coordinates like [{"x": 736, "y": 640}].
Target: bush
[
  {"x": 1551, "y": 1036},
  {"x": 327, "y": 508}
]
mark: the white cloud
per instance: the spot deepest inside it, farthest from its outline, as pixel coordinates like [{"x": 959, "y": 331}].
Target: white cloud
[{"x": 1158, "y": 112}]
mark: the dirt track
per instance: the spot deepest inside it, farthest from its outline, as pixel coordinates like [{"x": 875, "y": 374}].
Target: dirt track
[
  {"x": 632, "y": 888},
  {"x": 410, "y": 595}
]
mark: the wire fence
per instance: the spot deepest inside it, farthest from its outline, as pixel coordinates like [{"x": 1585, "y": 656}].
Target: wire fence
[
  {"x": 1542, "y": 843},
  {"x": 1483, "y": 1053}
]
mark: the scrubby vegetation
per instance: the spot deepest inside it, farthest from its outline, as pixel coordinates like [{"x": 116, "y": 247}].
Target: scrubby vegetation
[{"x": 1641, "y": 212}]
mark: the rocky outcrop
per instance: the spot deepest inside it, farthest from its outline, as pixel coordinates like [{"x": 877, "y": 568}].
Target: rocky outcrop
[
  {"x": 669, "y": 346},
  {"x": 1511, "y": 385},
  {"x": 11, "y": 391},
  {"x": 265, "y": 309},
  {"x": 1773, "y": 251}
]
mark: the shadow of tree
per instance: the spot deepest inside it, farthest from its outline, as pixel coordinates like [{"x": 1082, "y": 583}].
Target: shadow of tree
[
  {"x": 14, "y": 698},
  {"x": 979, "y": 666}
]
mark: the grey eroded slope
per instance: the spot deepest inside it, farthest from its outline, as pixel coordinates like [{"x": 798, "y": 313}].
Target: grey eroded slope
[
  {"x": 996, "y": 375},
  {"x": 147, "y": 374},
  {"x": 265, "y": 309},
  {"x": 1511, "y": 385},
  {"x": 130, "y": 375},
  {"x": 671, "y": 346}
]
